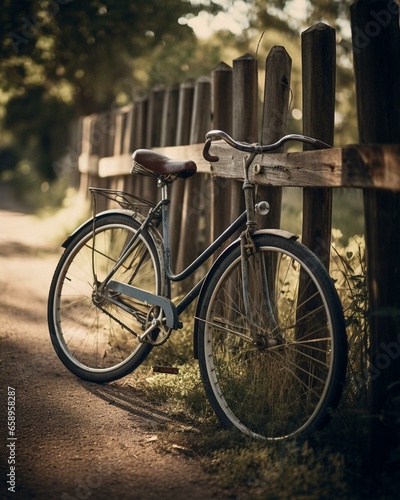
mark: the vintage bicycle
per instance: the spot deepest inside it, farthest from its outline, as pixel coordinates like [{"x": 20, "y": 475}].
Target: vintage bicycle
[{"x": 269, "y": 331}]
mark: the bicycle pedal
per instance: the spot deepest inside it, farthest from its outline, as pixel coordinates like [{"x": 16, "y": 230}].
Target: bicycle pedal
[{"x": 172, "y": 370}]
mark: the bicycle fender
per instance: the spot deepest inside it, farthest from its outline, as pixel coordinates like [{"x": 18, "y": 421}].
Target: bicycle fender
[
  {"x": 152, "y": 231},
  {"x": 277, "y": 232},
  {"x": 89, "y": 221}
]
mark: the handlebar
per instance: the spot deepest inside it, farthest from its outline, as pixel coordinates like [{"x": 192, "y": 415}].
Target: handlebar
[{"x": 215, "y": 135}]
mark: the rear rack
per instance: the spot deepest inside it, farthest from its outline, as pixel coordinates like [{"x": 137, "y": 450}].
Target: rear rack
[{"x": 125, "y": 200}]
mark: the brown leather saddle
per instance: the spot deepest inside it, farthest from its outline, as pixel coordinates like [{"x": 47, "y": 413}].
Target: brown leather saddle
[{"x": 147, "y": 162}]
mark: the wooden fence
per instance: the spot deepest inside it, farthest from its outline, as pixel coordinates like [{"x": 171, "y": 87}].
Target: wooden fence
[{"x": 174, "y": 121}]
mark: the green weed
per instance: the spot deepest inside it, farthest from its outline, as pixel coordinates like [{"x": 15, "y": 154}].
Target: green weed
[{"x": 348, "y": 269}]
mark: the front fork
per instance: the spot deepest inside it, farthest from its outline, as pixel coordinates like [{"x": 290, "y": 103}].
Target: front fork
[
  {"x": 263, "y": 329},
  {"x": 257, "y": 294}
]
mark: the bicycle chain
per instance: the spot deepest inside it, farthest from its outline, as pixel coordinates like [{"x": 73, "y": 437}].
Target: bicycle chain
[{"x": 148, "y": 340}]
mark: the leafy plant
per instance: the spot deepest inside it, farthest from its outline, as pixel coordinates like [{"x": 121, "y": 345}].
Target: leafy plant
[{"x": 348, "y": 268}]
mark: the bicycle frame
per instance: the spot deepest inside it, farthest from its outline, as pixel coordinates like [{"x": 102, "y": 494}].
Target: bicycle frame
[{"x": 172, "y": 312}]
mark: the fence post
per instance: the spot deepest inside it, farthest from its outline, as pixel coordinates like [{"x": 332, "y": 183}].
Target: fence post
[
  {"x": 86, "y": 149},
  {"x": 120, "y": 124},
  {"x": 153, "y": 137},
  {"x": 128, "y": 132},
  {"x": 140, "y": 123},
  {"x": 156, "y": 103},
  {"x": 193, "y": 205},
  {"x": 185, "y": 110},
  {"x": 110, "y": 135},
  {"x": 245, "y": 115},
  {"x": 274, "y": 122},
  {"x": 138, "y": 138},
  {"x": 319, "y": 69},
  {"x": 101, "y": 137},
  {"x": 127, "y": 145},
  {"x": 76, "y": 130},
  {"x": 120, "y": 121},
  {"x": 376, "y": 50},
  {"x": 169, "y": 121},
  {"x": 222, "y": 120}
]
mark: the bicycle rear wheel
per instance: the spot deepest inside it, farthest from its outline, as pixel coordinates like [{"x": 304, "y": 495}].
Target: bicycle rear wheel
[
  {"x": 276, "y": 367},
  {"x": 95, "y": 337}
]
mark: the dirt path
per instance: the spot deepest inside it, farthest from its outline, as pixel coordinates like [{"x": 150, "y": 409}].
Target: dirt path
[{"x": 74, "y": 439}]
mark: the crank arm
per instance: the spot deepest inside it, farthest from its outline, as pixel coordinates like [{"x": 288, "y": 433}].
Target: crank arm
[{"x": 154, "y": 324}]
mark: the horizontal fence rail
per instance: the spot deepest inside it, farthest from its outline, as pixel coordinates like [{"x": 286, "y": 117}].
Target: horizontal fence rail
[{"x": 356, "y": 166}]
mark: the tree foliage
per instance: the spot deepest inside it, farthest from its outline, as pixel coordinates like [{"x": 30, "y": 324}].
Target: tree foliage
[
  {"x": 84, "y": 49},
  {"x": 281, "y": 13},
  {"x": 64, "y": 58}
]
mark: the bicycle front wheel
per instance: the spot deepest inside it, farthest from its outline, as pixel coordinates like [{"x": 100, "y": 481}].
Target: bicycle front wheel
[
  {"x": 272, "y": 350},
  {"x": 95, "y": 335}
]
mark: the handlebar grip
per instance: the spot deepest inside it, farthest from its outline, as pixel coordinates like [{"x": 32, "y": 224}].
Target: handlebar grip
[{"x": 206, "y": 154}]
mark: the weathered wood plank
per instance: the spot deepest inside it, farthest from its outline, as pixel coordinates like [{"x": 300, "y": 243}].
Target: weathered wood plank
[
  {"x": 169, "y": 121},
  {"x": 191, "y": 208},
  {"x": 185, "y": 113},
  {"x": 322, "y": 168},
  {"x": 318, "y": 48},
  {"x": 359, "y": 166},
  {"x": 244, "y": 117},
  {"x": 371, "y": 166},
  {"x": 278, "y": 69},
  {"x": 155, "y": 113},
  {"x": 111, "y": 166},
  {"x": 222, "y": 98}
]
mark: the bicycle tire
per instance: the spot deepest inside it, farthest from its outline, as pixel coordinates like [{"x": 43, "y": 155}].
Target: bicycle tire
[
  {"x": 285, "y": 374},
  {"x": 95, "y": 342}
]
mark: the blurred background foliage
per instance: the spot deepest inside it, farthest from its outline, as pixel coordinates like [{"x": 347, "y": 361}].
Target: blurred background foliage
[{"x": 62, "y": 59}]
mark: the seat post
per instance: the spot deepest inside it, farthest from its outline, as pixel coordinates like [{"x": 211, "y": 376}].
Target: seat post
[
  {"x": 164, "y": 188},
  {"x": 165, "y": 230}
]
